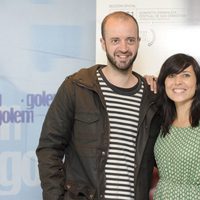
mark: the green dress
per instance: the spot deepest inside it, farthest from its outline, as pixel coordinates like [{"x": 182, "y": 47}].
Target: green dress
[{"x": 178, "y": 161}]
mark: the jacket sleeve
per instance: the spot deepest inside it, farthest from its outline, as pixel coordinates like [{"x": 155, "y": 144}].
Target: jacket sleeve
[{"x": 54, "y": 139}]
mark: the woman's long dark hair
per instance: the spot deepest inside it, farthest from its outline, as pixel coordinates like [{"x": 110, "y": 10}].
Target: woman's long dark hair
[{"x": 174, "y": 65}]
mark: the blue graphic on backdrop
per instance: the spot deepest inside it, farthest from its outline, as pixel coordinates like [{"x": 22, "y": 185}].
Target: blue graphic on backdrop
[
  {"x": 19, "y": 112},
  {"x": 41, "y": 42},
  {"x": 50, "y": 42}
]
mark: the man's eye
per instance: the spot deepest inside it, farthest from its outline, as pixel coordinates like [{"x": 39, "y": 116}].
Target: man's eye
[
  {"x": 115, "y": 41},
  {"x": 131, "y": 41}
]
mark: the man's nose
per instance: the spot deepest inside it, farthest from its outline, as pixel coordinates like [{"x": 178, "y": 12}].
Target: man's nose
[{"x": 123, "y": 46}]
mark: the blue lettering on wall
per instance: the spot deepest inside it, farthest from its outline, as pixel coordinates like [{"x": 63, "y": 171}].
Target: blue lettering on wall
[
  {"x": 37, "y": 100},
  {"x": 16, "y": 116}
]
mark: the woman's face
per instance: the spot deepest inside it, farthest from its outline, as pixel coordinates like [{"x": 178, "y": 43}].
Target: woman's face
[{"x": 181, "y": 87}]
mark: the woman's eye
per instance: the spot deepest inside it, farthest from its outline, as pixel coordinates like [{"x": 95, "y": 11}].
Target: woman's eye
[
  {"x": 171, "y": 76},
  {"x": 186, "y": 75}
]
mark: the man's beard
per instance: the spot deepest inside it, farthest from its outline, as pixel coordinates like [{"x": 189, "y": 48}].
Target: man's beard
[{"x": 126, "y": 67}]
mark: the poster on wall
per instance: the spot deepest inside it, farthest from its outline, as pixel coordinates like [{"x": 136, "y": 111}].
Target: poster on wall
[{"x": 166, "y": 28}]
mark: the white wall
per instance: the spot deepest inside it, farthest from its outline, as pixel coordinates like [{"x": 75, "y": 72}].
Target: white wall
[{"x": 166, "y": 27}]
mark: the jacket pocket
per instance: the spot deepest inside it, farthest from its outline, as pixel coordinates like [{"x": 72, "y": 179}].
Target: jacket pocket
[
  {"x": 85, "y": 126},
  {"x": 78, "y": 191}
]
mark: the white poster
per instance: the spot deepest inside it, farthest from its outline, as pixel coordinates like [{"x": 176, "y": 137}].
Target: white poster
[{"x": 166, "y": 27}]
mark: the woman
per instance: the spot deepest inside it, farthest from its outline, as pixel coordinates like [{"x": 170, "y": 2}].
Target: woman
[{"x": 177, "y": 149}]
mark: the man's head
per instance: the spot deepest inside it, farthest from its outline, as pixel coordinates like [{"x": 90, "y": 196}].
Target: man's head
[{"x": 120, "y": 39}]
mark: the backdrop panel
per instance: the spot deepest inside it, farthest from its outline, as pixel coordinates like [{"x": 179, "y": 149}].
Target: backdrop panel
[{"x": 41, "y": 42}]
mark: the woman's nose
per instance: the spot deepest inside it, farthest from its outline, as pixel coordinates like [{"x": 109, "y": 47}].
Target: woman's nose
[{"x": 178, "y": 80}]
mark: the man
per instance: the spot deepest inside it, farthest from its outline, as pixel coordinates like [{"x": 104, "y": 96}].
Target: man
[{"x": 98, "y": 135}]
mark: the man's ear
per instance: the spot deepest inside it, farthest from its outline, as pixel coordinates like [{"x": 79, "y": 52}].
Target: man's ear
[
  {"x": 103, "y": 44},
  {"x": 139, "y": 39}
]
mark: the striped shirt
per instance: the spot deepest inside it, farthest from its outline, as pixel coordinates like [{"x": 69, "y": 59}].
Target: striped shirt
[{"x": 123, "y": 106}]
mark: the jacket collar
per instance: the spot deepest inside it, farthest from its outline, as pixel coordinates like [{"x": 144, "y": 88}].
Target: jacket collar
[{"x": 87, "y": 76}]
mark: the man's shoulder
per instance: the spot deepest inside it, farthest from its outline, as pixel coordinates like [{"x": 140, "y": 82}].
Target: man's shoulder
[
  {"x": 86, "y": 71},
  {"x": 85, "y": 76}
]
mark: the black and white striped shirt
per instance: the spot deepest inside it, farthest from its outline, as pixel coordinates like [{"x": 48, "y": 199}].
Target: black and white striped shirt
[{"x": 123, "y": 107}]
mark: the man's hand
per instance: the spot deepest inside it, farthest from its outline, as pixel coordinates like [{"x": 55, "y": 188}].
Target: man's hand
[{"x": 151, "y": 80}]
